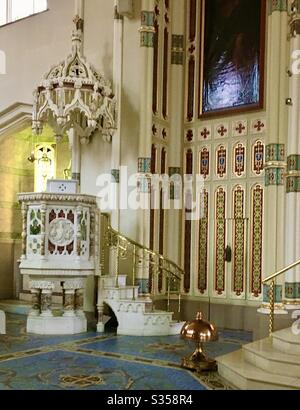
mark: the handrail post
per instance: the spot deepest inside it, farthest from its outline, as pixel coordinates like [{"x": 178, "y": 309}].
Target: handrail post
[
  {"x": 152, "y": 276},
  {"x": 272, "y": 306},
  {"x": 168, "y": 306},
  {"x": 133, "y": 270},
  {"x": 117, "y": 262},
  {"x": 179, "y": 305}
]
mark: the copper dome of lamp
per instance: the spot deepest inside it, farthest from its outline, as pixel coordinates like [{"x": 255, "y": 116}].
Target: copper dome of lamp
[{"x": 200, "y": 332}]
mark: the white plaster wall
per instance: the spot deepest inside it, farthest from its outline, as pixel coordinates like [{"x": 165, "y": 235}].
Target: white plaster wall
[
  {"x": 34, "y": 44},
  {"x": 98, "y": 34},
  {"x": 31, "y": 46},
  {"x": 95, "y": 160}
]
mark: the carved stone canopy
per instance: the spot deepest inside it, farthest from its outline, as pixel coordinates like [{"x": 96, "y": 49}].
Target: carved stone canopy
[{"x": 73, "y": 95}]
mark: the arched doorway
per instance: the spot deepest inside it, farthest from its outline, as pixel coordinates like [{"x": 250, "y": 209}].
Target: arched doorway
[{"x": 112, "y": 324}]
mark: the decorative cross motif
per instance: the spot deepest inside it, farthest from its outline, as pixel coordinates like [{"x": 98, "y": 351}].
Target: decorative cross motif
[
  {"x": 192, "y": 49},
  {"x": 240, "y": 128},
  {"x": 189, "y": 136},
  {"x": 205, "y": 133},
  {"x": 222, "y": 131},
  {"x": 259, "y": 126},
  {"x": 154, "y": 129}
]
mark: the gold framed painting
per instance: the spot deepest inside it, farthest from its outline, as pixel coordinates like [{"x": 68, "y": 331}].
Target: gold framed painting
[{"x": 232, "y": 56}]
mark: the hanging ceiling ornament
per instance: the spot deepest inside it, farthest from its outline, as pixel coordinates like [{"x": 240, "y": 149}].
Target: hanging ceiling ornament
[{"x": 73, "y": 95}]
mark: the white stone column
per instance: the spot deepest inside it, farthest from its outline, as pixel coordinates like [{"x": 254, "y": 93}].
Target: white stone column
[
  {"x": 73, "y": 290},
  {"x": 145, "y": 141},
  {"x": 36, "y": 302},
  {"x": 116, "y": 140},
  {"x": 79, "y": 8},
  {"x": 176, "y": 126},
  {"x": 275, "y": 158},
  {"x": 100, "y": 305},
  {"x": 75, "y": 145},
  {"x": 79, "y": 302},
  {"x": 46, "y": 297},
  {"x": 69, "y": 302},
  {"x": 292, "y": 234}
]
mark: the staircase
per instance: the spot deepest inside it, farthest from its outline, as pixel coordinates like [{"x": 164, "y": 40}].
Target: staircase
[
  {"x": 269, "y": 364},
  {"x": 136, "y": 315},
  {"x": 134, "y": 307}
]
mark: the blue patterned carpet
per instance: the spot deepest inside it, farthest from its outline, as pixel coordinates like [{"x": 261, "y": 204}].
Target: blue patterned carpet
[{"x": 104, "y": 362}]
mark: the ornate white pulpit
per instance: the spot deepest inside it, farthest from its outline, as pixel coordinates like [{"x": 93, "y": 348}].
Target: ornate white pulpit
[{"x": 58, "y": 251}]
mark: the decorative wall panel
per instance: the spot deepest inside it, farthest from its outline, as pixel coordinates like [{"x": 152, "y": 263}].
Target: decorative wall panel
[
  {"x": 152, "y": 213},
  {"x": 203, "y": 246},
  {"x": 256, "y": 239},
  {"x": 188, "y": 226},
  {"x": 239, "y": 236},
  {"x": 258, "y": 157},
  {"x": 239, "y": 160},
  {"x": 220, "y": 238},
  {"x": 221, "y": 161},
  {"x": 163, "y": 169},
  {"x": 204, "y": 162}
]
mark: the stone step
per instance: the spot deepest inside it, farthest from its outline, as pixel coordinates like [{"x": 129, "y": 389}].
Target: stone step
[
  {"x": 244, "y": 375},
  {"x": 2, "y": 323},
  {"x": 147, "y": 304},
  {"x": 175, "y": 327},
  {"x": 263, "y": 355},
  {"x": 124, "y": 292},
  {"x": 286, "y": 341},
  {"x": 21, "y": 307},
  {"x": 17, "y": 307},
  {"x": 159, "y": 312},
  {"x": 111, "y": 280}
]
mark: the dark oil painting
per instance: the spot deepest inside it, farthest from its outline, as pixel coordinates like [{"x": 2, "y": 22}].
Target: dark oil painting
[{"x": 233, "y": 55}]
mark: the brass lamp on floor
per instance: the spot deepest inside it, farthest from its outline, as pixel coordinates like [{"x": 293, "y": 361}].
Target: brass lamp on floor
[{"x": 200, "y": 332}]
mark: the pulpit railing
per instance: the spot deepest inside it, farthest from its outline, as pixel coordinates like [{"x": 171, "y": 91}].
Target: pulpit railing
[
  {"x": 271, "y": 280},
  {"x": 165, "y": 276}
]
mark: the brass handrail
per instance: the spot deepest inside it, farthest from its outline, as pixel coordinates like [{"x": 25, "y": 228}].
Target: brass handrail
[
  {"x": 146, "y": 249},
  {"x": 166, "y": 266},
  {"x": 280, "y": 272},
  {"x": 272, "y": 278}
]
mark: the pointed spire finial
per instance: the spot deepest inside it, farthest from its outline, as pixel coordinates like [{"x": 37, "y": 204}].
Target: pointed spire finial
[{"x": 78, "y": 21}]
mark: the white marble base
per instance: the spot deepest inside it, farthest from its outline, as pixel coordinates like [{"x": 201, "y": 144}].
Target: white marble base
[
  {"x": 56, "y": 325},
  {"x": 269, "y": 364},
  {"x": 2, "y": 323},
  {"x": 292, "y": 307},
  {"x": 175, "y": 328},
  {"x": 100, "y": 327},
  {"x": 266, "y": 311}
]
